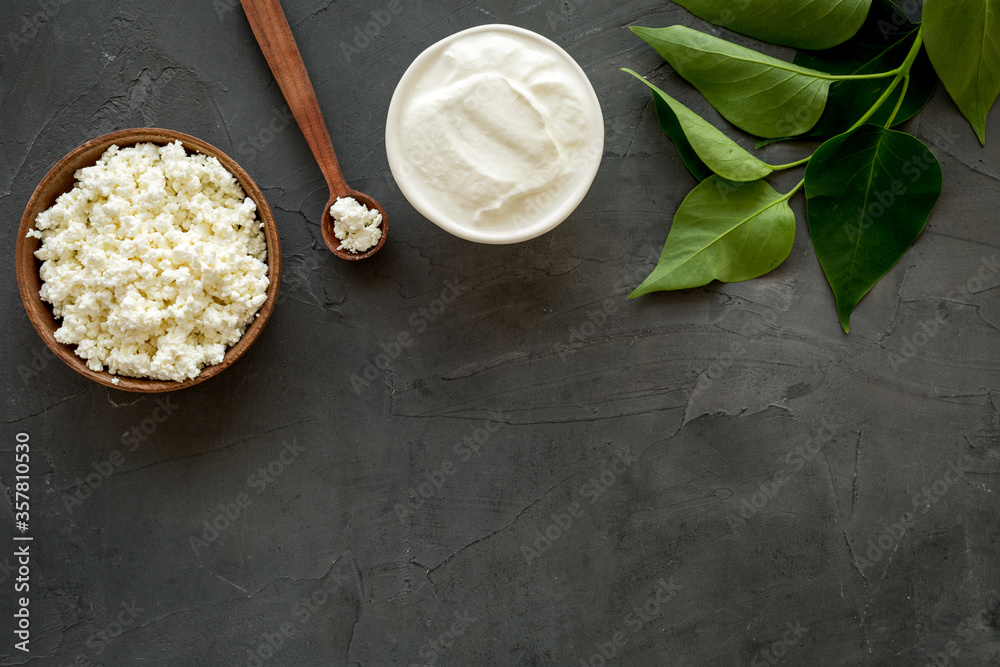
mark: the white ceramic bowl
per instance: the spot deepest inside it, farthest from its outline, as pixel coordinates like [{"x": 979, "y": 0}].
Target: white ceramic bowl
[{"x": 548, "y": 207}]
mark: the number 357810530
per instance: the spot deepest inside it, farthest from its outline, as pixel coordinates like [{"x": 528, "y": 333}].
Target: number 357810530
[{"x": 22, "y": 469}]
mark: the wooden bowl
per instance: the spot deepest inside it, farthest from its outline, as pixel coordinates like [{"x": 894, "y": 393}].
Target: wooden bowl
[{"x": 59, "y": 180}]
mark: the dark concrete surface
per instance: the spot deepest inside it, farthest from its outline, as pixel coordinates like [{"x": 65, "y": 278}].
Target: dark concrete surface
[{"x": 549, "y": 474}]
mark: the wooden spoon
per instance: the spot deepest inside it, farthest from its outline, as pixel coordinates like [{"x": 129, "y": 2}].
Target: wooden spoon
[{"x": 274, "y": 35}]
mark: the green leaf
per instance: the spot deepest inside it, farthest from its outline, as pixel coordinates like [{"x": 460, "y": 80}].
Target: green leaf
[
  {"x": 723, "y": 231},
  {"x": 868, "y": 196},
  {"x": 757, "y": 93},
  {"x": 802, "y": 24},
  {"x": 672, "y": 128},
  {"x": 962, "y": 38},
  {"x": 880, "y": 46},
  {"x": 701, "y": 145}
]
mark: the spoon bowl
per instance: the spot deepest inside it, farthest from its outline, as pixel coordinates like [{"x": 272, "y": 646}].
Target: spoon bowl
[
  {"x": 270, "y": 27},
  {"x": 331, "y": 240}
]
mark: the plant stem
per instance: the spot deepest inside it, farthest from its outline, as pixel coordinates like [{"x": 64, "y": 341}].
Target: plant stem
[
  {"x": 797, "y": 163},
  {"x": 902, "y": 72},
  {"x": 878, "y": 105},
  {"x": 902, "y": 69},
  {"x": 914, "y": 52},
  {"x": 792, "y": 192},
  {"x": 899, "y": 102},
  {"x": 856, "y": 77}
]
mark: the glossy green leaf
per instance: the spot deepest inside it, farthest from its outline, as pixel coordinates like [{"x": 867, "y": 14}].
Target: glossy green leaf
[
  {"x": 869, "y": 193},
  {"x": 672, "y": 128},
  {"x": 880, "y": 46},
  {"x": 803, "y": 24},
  {"x": 723, "y": 231},
  {"x": 757, "y": 93},
  {"x": 963, "y": 41},
  {"x": 701, "y": 145}
]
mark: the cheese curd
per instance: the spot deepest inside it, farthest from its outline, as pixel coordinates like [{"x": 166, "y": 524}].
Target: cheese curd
[
  {"x": 155, "y": 261},
  {"x": 355, "y": 224}
]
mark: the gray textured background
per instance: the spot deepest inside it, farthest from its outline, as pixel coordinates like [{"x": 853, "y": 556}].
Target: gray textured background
[{"x": 690, "y": 555}]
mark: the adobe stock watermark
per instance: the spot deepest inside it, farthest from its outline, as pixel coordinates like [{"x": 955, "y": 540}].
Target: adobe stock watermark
[
  {"x": 723, "y": 361},
  {"x": 6, "y": 569},
  {"x": 419, "y": 321},
  {"x": 304, "y": 609},
  {"x": 130, "y": 441},
  {"x": 436, "y": 479},
  {"x": 578, "y": 161},
  {"x": 592, "y": 490},
  {"x": 730, "y": 14},
  {"x": 429, "y": 143},
  {"x": 794, "y": 462},
  {"x": 972, "y": 626},
  {"x": 638, "y": 618},
  {"x": 309, "y": 605},
  {"x": 596, "y": 318},
  {"x": 30, "y": 23},
  {"x": 794, "y": 120},
  {"x": 885, "y": 542},
  {"x": 892, "y": 534},
  {"x": 876, "y": 208},
  {"x": 361, "y": 37},
  {"x": 270, "y": 644},
  {"x": 434, "y": 649},
  {"x": 884, "y": 200},
  {"x": 223, "y": 7},
  {"x": 773, "y": 654},
  {"x": 567, "y": 6},
  {"x": 99, "y": 642},
  {"x": 277, "y": 122},
  {"x": 225, "y": 515},
  {"x": 40, "y": 360},
  {"x": 890, "y": 29},
  {"x": 931, "y": 327},
  {"x": 297, "y": 273}
]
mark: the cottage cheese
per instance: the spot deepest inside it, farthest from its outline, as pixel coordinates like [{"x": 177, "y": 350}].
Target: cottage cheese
[
  {"x": 355, "y": 224},
  {"x": 155, "y": 261}
]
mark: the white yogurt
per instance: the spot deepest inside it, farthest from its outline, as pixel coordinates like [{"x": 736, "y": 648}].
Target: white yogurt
[{"x": 495, "y": 134}]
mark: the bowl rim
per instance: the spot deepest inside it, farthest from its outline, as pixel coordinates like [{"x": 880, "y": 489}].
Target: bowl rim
[
  {"x": 44, "y": 196},
  {"x": 567, "y": 203}
]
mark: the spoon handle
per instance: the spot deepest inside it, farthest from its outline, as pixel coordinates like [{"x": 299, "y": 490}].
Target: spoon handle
[{"x": 274, "y": 35}]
